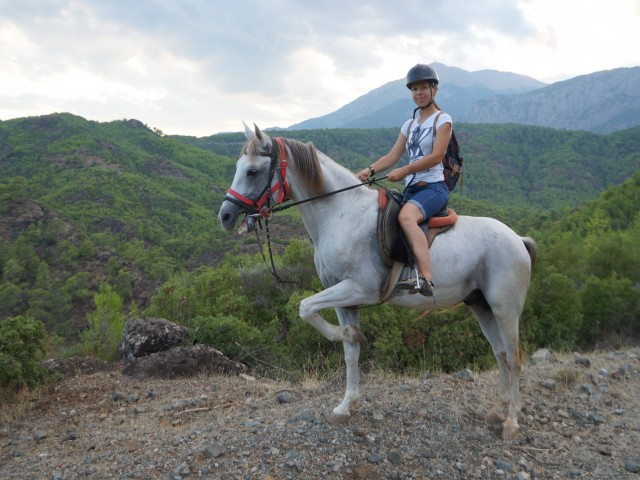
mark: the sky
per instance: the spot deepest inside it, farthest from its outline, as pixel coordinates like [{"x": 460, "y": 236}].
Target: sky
[{"x": 200, "y": 67}]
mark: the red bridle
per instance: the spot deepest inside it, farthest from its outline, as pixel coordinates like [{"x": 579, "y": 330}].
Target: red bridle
[{"x": 279, "y": 189}]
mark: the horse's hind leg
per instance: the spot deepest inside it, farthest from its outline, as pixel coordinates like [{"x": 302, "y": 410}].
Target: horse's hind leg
[{"x": 503, "y": 337}]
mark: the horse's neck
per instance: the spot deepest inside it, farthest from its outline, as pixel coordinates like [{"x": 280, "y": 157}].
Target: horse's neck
[{"x": 319, "y": 215}]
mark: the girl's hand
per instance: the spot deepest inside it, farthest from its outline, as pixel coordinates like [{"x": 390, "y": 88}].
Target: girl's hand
[
  {"x": 397, "y": 174},
  {"x": 364, "y": 174}
]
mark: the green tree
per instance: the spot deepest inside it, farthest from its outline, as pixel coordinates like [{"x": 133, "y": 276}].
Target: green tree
[
  {"x": 11, "y": 299},
  {"x": 611, "y": 309},
  {"x": 106, "y": 326},
  {"x": 22, "y": 341},
  {"x": 553, "y": 315}
]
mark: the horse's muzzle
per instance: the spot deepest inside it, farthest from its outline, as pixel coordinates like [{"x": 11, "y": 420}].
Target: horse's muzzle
[{"x": 228, "y": 215}]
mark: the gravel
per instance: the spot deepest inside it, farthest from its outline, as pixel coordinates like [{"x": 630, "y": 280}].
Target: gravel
[{"x": 580, "y": 419}]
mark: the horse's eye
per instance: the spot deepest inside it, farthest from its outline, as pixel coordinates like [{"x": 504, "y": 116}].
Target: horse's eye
[{"x": 252, "y": 172}]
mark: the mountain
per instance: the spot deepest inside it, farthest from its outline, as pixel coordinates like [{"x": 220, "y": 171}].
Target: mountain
[
  {"x": 390, "y": 105},
  {"x": 600, "y": 102}
]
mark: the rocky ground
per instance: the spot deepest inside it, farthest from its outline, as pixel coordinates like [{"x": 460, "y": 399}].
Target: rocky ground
[{"x": 580, "y": 419}]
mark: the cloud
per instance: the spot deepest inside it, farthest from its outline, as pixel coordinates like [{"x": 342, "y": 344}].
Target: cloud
[{"x": 202, "y": 66}]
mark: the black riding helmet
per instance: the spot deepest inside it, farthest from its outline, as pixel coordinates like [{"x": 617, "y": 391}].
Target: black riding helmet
[{"x": 420, "y": 73}]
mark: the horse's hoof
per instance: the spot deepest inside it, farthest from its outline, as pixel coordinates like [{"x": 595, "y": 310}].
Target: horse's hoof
[
  {"x": 337, "y": 419},
  {"x": 510, "y": 432}
]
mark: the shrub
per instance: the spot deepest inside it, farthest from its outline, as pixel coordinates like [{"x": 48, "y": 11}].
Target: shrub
[
  {"x": 231, "y": 335},
  {"x": 22, "y": 341}
]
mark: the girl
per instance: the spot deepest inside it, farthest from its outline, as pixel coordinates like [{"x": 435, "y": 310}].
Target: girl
[{"x": 425, "y": 192}]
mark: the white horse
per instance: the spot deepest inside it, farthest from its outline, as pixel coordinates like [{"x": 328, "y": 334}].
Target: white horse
[{"x": 479, "y": 261}]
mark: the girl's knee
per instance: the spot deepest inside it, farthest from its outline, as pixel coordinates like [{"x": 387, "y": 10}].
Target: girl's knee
[{"x": 407, "y": 220}]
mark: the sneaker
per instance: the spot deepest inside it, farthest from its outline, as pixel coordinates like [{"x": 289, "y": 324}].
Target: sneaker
[{"x": 423, "y": 287}]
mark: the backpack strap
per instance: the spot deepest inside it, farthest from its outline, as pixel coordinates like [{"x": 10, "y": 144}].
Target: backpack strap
[{"x": 435, "y": 121}]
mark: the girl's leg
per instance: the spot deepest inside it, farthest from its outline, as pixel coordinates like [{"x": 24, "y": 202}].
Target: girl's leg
[{"x": 409, "y": 218}]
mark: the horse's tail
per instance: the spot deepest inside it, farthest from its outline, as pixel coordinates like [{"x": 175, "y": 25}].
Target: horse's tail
[{"x": 530, "y": 245}]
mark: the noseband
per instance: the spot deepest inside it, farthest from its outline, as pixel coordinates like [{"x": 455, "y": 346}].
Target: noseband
[{"x": 263, "y": 205}]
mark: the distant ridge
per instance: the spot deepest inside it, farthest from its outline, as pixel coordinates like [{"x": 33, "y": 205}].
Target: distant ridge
[
  {"x": 601, "y": 102},
  {"x": 390, "y": 105}
]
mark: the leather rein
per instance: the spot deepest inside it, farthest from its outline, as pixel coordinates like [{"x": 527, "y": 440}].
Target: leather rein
[{"x": 263, "y": 205}]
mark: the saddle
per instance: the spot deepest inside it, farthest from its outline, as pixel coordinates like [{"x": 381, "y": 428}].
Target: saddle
[{"x": 393, "y": 248}]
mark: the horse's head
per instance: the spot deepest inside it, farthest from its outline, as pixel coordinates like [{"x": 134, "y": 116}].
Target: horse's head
[{"x": 259, "y": 182}]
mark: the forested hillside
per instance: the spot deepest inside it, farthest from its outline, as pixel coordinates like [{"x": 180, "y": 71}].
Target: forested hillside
[
  {"x": 507, "y": 165},
  {"x": 85, "y": 203},
  {"x": 103, "y": 221}
]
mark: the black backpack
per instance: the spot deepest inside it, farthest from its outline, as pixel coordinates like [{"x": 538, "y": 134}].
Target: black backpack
[{"x": 452, "y": 159}]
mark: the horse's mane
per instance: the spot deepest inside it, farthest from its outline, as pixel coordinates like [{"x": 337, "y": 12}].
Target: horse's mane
[{"x": 303, "y": 155}]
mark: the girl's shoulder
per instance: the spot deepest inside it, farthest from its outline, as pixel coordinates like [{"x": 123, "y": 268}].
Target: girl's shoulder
[{"x": 444, "y": 118}]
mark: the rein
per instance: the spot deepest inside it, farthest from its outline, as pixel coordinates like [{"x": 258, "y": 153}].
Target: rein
[
  {"x": 256, "y": 216},
  {"x": 262, "y": 206},
  {"x": 279, "y": 208}
]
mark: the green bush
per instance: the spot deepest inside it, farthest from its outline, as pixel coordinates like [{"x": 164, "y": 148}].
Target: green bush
[
  {"x": 232, "y": 336},
  {"x": 22, "y": 341}
]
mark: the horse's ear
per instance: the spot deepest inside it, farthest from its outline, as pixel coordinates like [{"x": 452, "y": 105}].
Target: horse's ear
[
  {"x": 248, "y": 132},
  {"x": 258, "y": 133}
]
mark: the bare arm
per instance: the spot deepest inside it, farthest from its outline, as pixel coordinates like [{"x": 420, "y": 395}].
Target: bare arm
[
  {"x": 386, "y": 161},
  {"x": 428, "y": 161}
]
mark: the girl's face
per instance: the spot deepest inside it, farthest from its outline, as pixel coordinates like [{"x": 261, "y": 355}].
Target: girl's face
[{"x": 423, "y": 92}]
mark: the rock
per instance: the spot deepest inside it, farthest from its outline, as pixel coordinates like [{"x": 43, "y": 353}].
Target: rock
[
  {"x": 588, "y": 388},
  {"x": 117, "y": 396},
  {"x": 304, "y": 416},
  {"x": 292, "y": 454},
  {"x": 631, "y": 466},
  {"x": 581, "y": 360},
  {"x": 213, "y": 451},
  {"x": 541, "y": 357},
  {"x": 285, "y": 397},
  {"x": 465, "y": 374},
  {"x": 549, "y": 384},
  {"x": 378, "y": 417},
  {"x": 182, "y": 362},
  {"x": 142, "y": 337},
  {"x": 596, "y": 418},
  {"x": 503, "y": 465},
  {"x": 374, "y": 458},
  {"x": 394, "y": 457}
]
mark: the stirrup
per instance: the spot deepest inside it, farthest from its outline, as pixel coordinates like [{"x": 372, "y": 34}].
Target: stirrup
[
  {"x": 420, "y": 285},
  {"x": 423, "y": 287}
]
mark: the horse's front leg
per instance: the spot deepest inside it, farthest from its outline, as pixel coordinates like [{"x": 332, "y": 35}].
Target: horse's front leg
[
  {"x": 340, "y": 414},
  {"x": 344, "y": 294}
]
